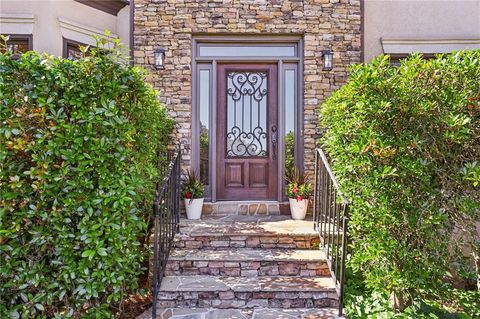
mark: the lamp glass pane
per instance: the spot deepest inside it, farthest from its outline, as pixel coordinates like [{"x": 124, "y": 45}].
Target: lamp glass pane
[
  {"x": 328, "y": 60},
  {"x": 159, "y": 59}
]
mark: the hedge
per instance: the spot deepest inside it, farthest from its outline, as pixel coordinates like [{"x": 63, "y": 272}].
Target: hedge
[
  {"x": 77, "y": 173},
  {"x": 405, "y": 145}
]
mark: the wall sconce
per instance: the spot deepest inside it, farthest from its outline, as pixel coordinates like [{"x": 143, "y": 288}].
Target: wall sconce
[
  {"x": 159, "y": 55},
  {"x": 327, "y": 56}
]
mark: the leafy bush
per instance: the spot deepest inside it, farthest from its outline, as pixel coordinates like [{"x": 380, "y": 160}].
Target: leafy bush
[
  {"x": 77, "y": 172},
  {"x": 405, "y": 145},
  {"x": 377, "y": 305}
]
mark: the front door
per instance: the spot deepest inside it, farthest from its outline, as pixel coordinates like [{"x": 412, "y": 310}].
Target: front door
[{"x": 247, "y": 132}]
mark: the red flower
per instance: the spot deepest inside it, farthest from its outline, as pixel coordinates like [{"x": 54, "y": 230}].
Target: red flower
[
  {"x": 295, "y": 190},
  {"x": 299, "y": 198},
  {"x": 188, "y": 195}
]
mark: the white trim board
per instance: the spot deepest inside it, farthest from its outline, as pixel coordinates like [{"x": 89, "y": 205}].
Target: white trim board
[
  {"x": 75, "y": 31},
  {"x": 407, "y": 46},
  {"x": 16, "y": 23}
]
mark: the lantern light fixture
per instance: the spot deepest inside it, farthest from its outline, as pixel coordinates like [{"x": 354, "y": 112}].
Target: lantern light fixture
[
  {"x": 327, "y": 56},
  {"x": 159, "y": 55}
]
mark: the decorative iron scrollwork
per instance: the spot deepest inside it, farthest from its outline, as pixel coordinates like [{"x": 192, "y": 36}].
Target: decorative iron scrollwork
[
  {"x": 247, "y": 83},
  {"x": 247, "y": 96}
]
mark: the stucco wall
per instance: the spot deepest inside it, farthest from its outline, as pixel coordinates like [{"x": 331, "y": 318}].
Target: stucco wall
[
  {"x": 123, "y": 25},
  {"x": 170, "y": 24},
  {"x": 419, "y": 19},
  {"x": 47, "y": 34}
]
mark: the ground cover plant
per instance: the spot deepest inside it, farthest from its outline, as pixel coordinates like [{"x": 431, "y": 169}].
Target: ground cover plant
[
  {"x": 405, "y": 145},
  {"x": 78, "y": 143}
]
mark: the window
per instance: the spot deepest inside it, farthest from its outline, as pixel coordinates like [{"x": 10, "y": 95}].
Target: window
[
  {"x": 18, "y": 44},
  {"x": 71, "y": 49},
  {"x": 290, "y": 116},
  {"x": 281, "y": 50},
  {"x": 395, "y": 59},
  {"x": 204, "y": 105}
]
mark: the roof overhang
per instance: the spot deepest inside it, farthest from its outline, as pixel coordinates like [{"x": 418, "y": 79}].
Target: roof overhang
[{"x": 108, "y": 6}]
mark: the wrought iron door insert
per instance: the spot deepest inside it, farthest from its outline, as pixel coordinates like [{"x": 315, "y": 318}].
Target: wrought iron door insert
[{"x": 247, "y": 114}]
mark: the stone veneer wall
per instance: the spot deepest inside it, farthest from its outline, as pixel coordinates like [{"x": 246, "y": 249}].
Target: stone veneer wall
[{"x": 171, "y": 24}]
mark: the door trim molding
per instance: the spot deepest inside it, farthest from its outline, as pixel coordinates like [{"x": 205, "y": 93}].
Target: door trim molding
[{"x": 251, "y": 40}]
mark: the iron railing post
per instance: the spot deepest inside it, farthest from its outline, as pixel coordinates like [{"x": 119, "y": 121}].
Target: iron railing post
[
  {"x": 177, "y": 216},
  {"x": 331, "y": 220},
  {"x": 155, "y": 259},
  {"x": 315, "y": 194},
  {"x": 344, "y": 255},
  {"x": 166, "y": 217}
]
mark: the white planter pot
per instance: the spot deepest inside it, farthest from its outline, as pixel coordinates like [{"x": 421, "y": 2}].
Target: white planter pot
[
  {"x": 193, "y": 207},
  {"x": 298, "y": 208}
]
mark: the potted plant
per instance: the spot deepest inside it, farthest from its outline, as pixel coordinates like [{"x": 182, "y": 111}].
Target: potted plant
[
  {"x": 298, "y": 191},
  {"x": 192, "y": 192}
]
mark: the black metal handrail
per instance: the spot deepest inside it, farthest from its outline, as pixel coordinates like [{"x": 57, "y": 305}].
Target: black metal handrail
[
  {"x": 330, "y": 218},
  {"x": 166, "y": 206}
]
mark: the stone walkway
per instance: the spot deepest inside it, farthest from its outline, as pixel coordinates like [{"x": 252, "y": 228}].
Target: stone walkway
[
  {"x": 257, "y": 313},
  {"x": 246, "y": 266}
]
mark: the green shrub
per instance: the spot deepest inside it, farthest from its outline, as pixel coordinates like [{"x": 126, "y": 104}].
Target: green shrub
[
  {"x": 405, "y": 145},
  {"x": 77, "y": 172},
  {"x": 378, "y": 305}
]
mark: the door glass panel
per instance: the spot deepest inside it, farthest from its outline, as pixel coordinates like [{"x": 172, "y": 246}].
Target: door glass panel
[
  {"x": 289, "y": 120},
  {"x": 247, "y": 114},
  {"x": 204, "y": 103},
  {"x": 248, "y": 51}
]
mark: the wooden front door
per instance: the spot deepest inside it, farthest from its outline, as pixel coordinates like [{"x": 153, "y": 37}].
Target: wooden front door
[{"x": 247, "y": 132}]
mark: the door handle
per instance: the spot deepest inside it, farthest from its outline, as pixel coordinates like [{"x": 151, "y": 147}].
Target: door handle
[{"x": 274, "y": 141}]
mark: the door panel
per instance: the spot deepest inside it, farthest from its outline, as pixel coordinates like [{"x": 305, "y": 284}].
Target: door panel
[
  {"x": 246, "y": 132},
  {"x": 258, "y": 175},
  {"x": 234, "y": 175}
]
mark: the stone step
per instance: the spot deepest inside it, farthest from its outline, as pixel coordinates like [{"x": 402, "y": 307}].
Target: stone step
[
  {"x": 246, "y": 292},
  {"x": 226, "y": 242},
  {"x": 234, "y": 231},
  {"x": 258, "y": 313},
  {"x": 247, "y": 262}
]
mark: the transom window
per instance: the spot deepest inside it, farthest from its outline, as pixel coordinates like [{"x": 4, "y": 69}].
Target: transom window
[{"x": 246, "y": 50}]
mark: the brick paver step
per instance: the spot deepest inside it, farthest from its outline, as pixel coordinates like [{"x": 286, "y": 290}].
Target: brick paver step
[
  {"x": 247, "y": 262},
  {"x": 258, "y": 313},
  {"x": 246, "y": 292}
]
